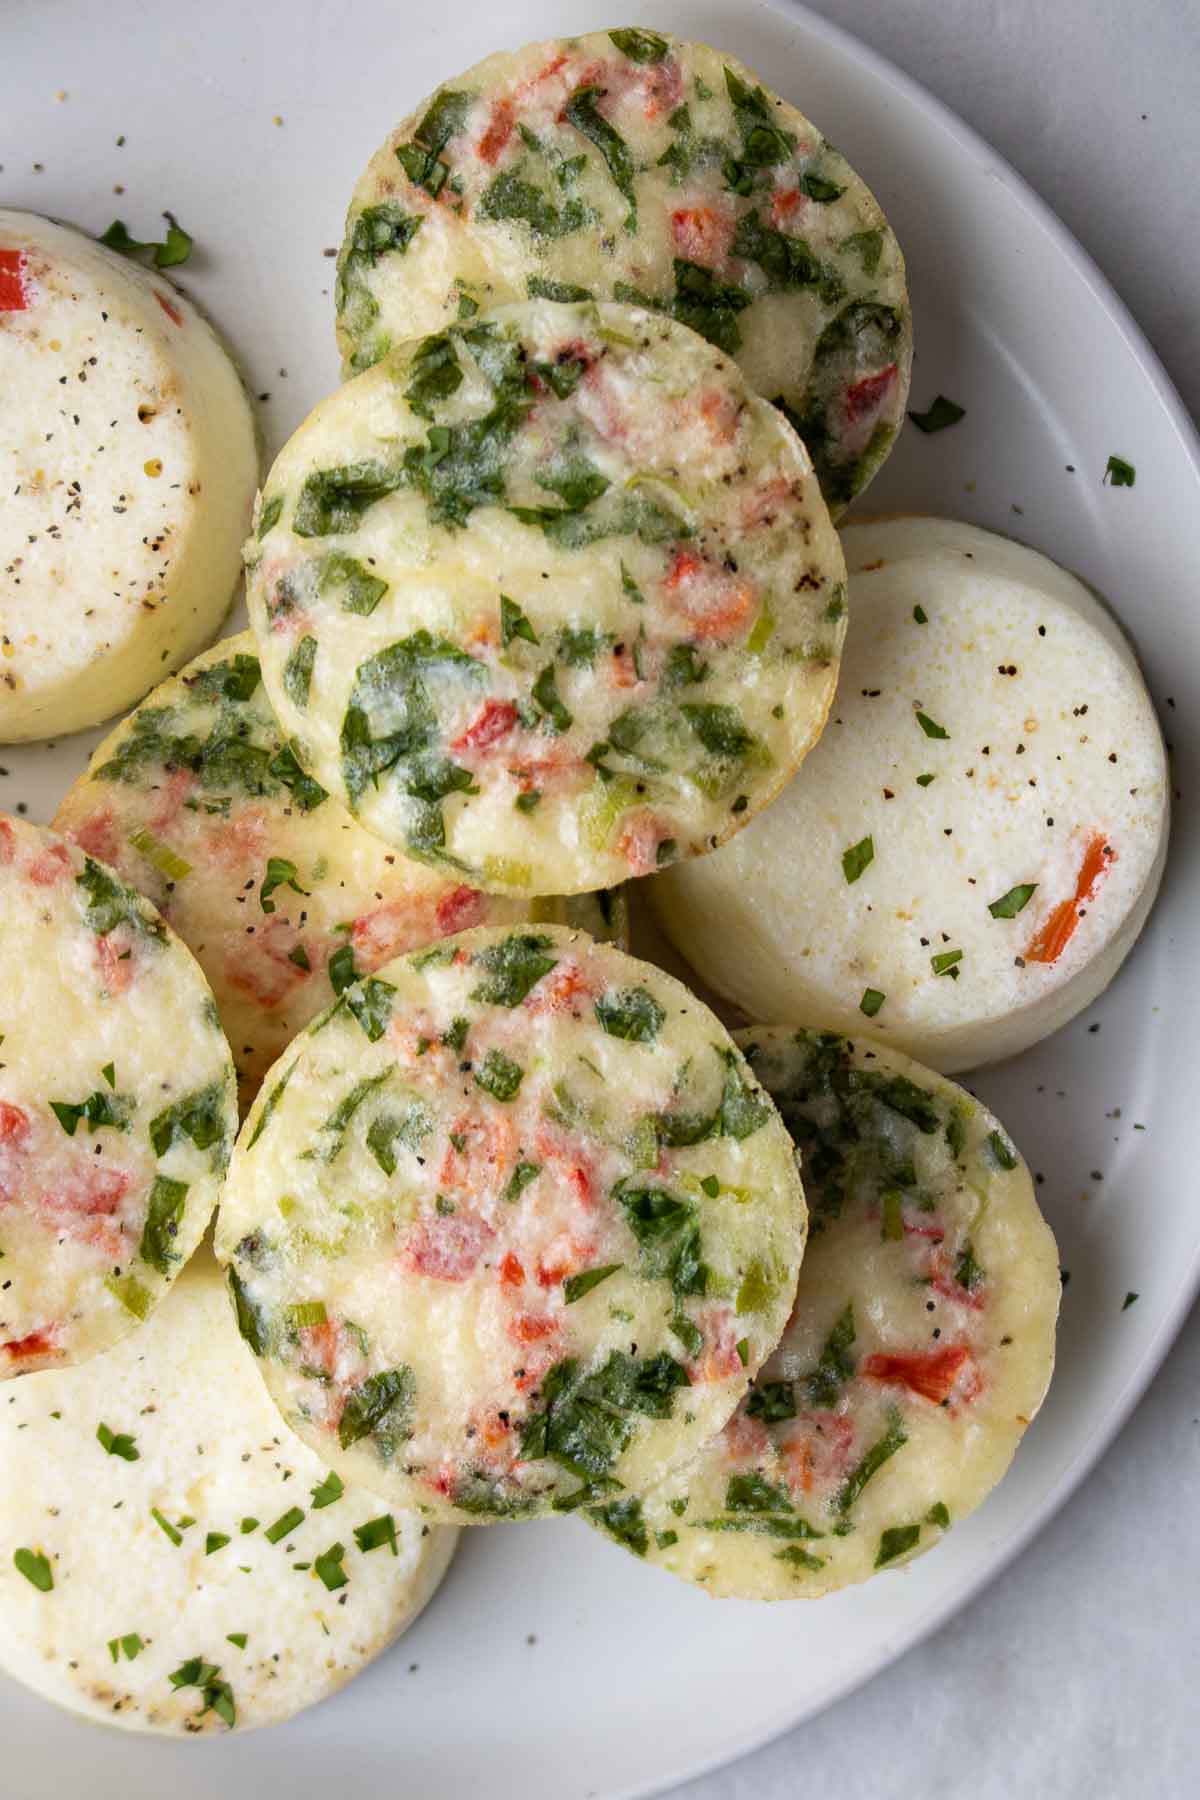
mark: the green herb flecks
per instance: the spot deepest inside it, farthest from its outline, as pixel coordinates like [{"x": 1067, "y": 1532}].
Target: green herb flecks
[
  {"x": 174, "y": 250},
  {"x": 216, "y": 1693},
  {"x": 349, "y": 582},
  {"x": 583, "y": 112},
  {"x": 1015, "y": 901},
  {"x": 576, "y": 1286},
  {"x": 298, "y": 670},
  {"x": 422, "y": 159},
  {"x": 499, "y": 1076},
  {"x": 35, "y": 1568},
  {"x": 512, "y": 968},
  {"x": 872, "y": 1000},
  {"x": 857, "y": 858},
  {"x": 201, "y": 1118},
  {"x": 630, "y": 1013},
  {"x": 893, "y": 1439},
  {"x": 1119, "y": 473},
  {"x": 117, "y": 1443}
]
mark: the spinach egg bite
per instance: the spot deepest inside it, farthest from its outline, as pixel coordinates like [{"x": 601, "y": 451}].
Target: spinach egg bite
[
  {"x": 117, "y": 1103},
  {"x": 974, "y": 847},
  {"x": 511, "y": 1227},
  {"x": 548, "y": 599},
  {"x": 129, "y": 460},
  {"x": 171, "y": 1559},
  {"x": 197, "y": 799},
  {"x": 629, "y": 165},
  {"x": 920, "y": 1346}
]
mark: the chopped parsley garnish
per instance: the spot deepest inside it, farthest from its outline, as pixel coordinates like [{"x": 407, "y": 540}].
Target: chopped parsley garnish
[
  {"x": 376, "y": 1533},
  {"x": 548, "y": 701},
  {"x": 174, "y": 250},
  {"x": 329, "y": 1490},
  {"x": 117, "y": 1443},
  {"x": 872, "y": 1000},
  {"x": 896, "y": 1540},
  {"x": 284, "y": 1524},
  {"x": 967, "y": 1271},
  {"x": 217, "y": 1694},
  {"x": 214, "y": 1541},
  {"x": 370, "y": 1004},
  {"x": 920, "y": 616},
  {"x": 930, "y": 727},
  {"x": 924, "y": 780},
  {"x": 499, "y": 1076},
  {"x": 35, "y": 1568},
  {"x": 1130, "y": 1300},
  {"x": 858, "y": 857},
  {"x": 1119, "y": 473},
  {"x": 99, "y": 1109},
  {"x": 1015, "y": 901},
  {"x": 938, "y": 1514},
  {"x": 199, "y": 1117},
  {"x": 436, "y": 374},
  {"x": 131, "y": 1644},
  {"x": 576, "y": 1286},
  {"x": 937, "y": 417},
  {"x": 164, "y": 1524},
  {"x": 946, "y": 962},
  {"x": 238, "y": 1639},
  {"x": 329, "y": 1567},
  {"x": 836, "y": 1365}
]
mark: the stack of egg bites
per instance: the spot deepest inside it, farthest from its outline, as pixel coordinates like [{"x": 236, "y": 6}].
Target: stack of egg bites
[{"x": 547, "y": 597}]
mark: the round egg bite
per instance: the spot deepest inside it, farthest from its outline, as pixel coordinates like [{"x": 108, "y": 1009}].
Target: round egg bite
[
  {"x": 198, "y": 801},
  {"x": 919, "y": 1348},
  {"x": 972, "y": 851},
  {"x": 511, "y": 1227},
  {"x": 117, "y": 1103},
  {"x": 630, "y": 165},
  {"x": 128, "y": 461},
  {"x": 548, "y": 599},
  {"x": 172, "y": 1560}
]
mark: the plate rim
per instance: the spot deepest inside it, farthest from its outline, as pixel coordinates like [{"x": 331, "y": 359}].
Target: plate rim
[{"x": 1043, "y": 217}]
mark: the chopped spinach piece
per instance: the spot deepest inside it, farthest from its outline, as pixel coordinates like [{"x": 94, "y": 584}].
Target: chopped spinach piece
[
  {"x": 1119, "y": 473},
  {"x": 499, "y": 1076},
  {"x": 893, "y": 1439},
  {"x": 720, "y": 729},
  {"x": 421, "y": 159},
  {"x": 297, "y": 671},
  {"x": 896, "y": 1541},
  {"x": 334, "y": 500},
  {"x": 857, "y": 858},
  {"x": 409, "y": 1128},
  {"x": 510, "y": 196},
  {"x": 640, "y": 46},
  {"x": 200, "y": 1117},
  {"x": 836, "y": 1365},
  {"x": 514, "y": 624},
  {"x": 772, "y": 1401},
  {"x": 867, "y": 246},
  {"x": 436, "y": 373},
  {"x": 576, "y": 1286},
  {"x": 252, "y": 1321},
  {"x": 623, "y": 1520},
  {"x": 99, "y": 1109},
  {"x": 630, "y": 1013},
  {"x": 667, "y": 1230},
  {"x": 537, "y": 287},
  {"x": 280, "y": 873},
  {"x": 357, "y": 590},
  {"x": 164, "y": 1212},
  {"x": 584, "y": 114},
  {"x": 938, "y": 416},
  {"x": 175, "y": 248},
  {"x": 513, "y": 966},
  {"x": 754, "y": 1493},
  {"x": 379, "y": 1408}
]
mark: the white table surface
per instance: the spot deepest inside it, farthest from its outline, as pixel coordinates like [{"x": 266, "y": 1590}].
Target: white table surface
[{"x": 1075, "y": 1674}]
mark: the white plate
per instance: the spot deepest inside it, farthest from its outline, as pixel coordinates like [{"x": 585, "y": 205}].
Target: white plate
[{"x": 552, "y": 1665}]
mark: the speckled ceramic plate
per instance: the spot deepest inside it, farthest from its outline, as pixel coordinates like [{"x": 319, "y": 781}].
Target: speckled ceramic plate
[{"x": 552, "y": 1665}]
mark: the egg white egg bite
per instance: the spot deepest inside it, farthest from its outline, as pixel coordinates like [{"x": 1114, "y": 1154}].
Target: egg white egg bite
[
  {"x": 971, "y": 851},
  {"x": 128, "y": 462},
  {"x": 631, "y": 165},
  {"x": 510, "y": 1226},
  {"x": 549, "y": 599},
  {"x": 919, "y": 1349},
  {"x": 172, "y": 1559},
  {"x": 117, "y": 1103}
]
